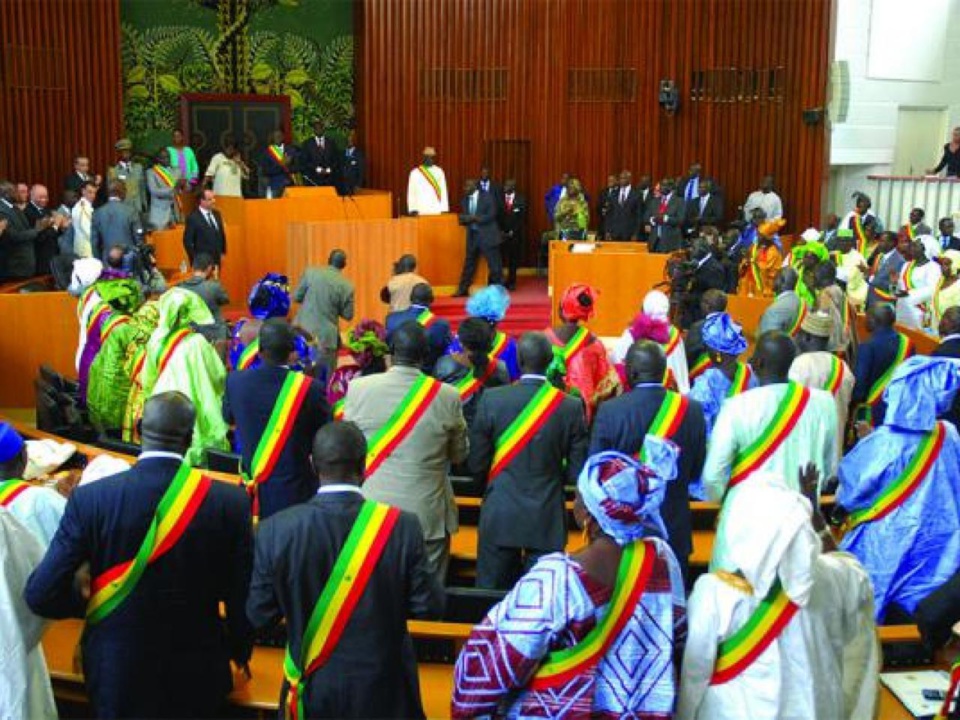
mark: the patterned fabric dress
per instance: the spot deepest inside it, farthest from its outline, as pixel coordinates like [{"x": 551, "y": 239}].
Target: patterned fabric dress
[
  {"x": 553, "y": 607},
  {"x": 590, "y": 373}
]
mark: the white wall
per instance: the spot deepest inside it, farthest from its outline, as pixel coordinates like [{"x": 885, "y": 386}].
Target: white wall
[{"x": 864, "y": 144}]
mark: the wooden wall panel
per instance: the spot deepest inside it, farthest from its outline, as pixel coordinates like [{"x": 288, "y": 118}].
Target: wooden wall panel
[
  {"x": 537, "y": 45},
  {"x": 60, "y": 87}
]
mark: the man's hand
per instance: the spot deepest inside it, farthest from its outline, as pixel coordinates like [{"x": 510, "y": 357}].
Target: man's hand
[
  {"x": 862, "y": 428},
  {"x": 809, "y": 478},
  {"x": 83, "y": 580}
]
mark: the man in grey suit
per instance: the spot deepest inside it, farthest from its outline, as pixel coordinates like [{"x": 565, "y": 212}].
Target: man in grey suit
[
  {"x": 479, "y": 217},
  {"x": 523, "y": 516},
  {"x": 888, "y": 261},
  {"x": 325, "y": 296},
  {"x": 783, "y": 313},
  {"x": 114, "y": 224},
  {"x": 413, "y": 476}
]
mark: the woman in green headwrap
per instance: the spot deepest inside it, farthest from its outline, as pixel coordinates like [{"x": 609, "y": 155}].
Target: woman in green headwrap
[{"x": 806, "y": 257}]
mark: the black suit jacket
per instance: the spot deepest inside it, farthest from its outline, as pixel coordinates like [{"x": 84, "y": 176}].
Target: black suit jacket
[
  {"x": 372, "y": 671},
  {"x": 874, "y": 356},
  {"x": 484, "y": 231},
  {"x": 165, "y": 651},
  {"x": 354, "y": 169},
  {"x": 249, "y": 402},
  {"x": 621, "y": 424},
  {"x": 709, "y": 276},
  {"x": 17, "y": 244},
  {"x": 199, "y": 236},
  {"x": 439, "y": 335},
  {"x": 623, "y": 219},
  {"x": 666, "y": 235},
  {"x": 515, "y": 221},
  {"x": 712, "y": 213},
  {"x": 524, "y": 506},
  {"x": 938, "y": 612},
  {"x": 313, "y": 156}
]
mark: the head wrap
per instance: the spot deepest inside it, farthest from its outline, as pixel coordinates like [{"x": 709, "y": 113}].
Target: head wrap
[
  {"x": 767, "y": 534},
  {"x": 845, "y": 233},
  {"x": 819, "y": 250},
  {"x": 490, "y": 303},
  {"x": 722, "y": 334},
  {"x": 656, "y": 305},
  {"x": 123, "y": 144},
  {"x": 624, "y": 496},
  {"x": 86, "y": 271},
  {"x": 367, "y": 340},
  {"x": 429, "y": 151},
  {"x": 811, "y": 235},
  {"x": 921, "y": 389},
  {"x": 931, "y": 247},
  {"x": 270, "y": 297},
  {"x": 954, "y": 257},
  {"x": 578, "y": 302},
  {"x": 645, "y": 327},
  {"x": 818, "y": 324},
  {"x": 10, "y": 443},
  {"x": 769, "y": 228}
]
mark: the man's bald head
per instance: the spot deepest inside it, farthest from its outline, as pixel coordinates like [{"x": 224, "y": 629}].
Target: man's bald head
[
  {"x": 422, "y": 294},
  {"x": 534, "y": 352},
  {"x": 408, "y": 344},
  {"x": 713, "y": 300},
  {"x": 277, "y": 341},
  {"x": 773, "y": 357},
  {"x": 786, "y": 280},
  {"x": 950, "y": 322},
  {"x": 167, "y": 424},
  {"x": 338, "y": 259},
  {"x": 880, "y": 315},
  {"x": 339, "y": 453},
  {"x": 646, "y": 363}
]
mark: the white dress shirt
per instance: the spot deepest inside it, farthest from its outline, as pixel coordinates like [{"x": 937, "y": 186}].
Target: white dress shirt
[
  {"x": 769, "y": 202},
  {"x": 82, "y": 214}
]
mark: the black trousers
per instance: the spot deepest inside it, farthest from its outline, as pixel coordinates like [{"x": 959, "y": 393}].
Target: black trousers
[
  {"x": 511, "y": 248},
  {"x": 474, "y": 251},
  {"x": 499, "y": 568}
]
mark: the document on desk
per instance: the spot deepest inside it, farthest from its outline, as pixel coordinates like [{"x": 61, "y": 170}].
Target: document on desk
[{"x": 909, "y": 686}]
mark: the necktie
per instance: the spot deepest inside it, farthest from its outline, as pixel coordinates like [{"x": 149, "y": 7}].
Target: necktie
[
  {"x": 623, "y": 195},
  {"x": 473, "y": 204},
  {"x": 663, "y": 204},
  {"x": 703, "y": 203},
  {"x": 509, "y": 203},
  {"x": 210, "y": 220}
]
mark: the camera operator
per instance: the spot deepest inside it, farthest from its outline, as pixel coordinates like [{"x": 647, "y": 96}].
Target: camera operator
[
  {"x": 142, "y": 265},
  {"x": 690, "y": 279}
]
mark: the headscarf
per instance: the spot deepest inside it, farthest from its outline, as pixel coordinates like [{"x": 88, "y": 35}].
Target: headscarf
[
  {"x": 178, "y": 309},
  {"x": 645, "y": 327},
  {"x": 769, "y": 228},
  {"x": 656, "y": 305},
  {"x": 623, "y": 495},
  {"x": 816, "y": 248},
  {"x": 577, "y": 302},
  {"x": 811, "y": 235},
  {"x": 10, "y": 443},
  {"x": 768, "y": 534},
  {"x": 931, "y": 247},
  {"x": 367, "y": 340},
  {"x": 722, "y": 334},
  {"x": 270, "y": 297},
  {"x": 954, "y": 257},
  {"x": 921, "y": 389},
  {"x": 490, "y": 303}
]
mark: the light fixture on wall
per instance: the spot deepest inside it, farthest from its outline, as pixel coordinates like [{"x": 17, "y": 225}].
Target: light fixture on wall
[{"x": 669, "y": 97}]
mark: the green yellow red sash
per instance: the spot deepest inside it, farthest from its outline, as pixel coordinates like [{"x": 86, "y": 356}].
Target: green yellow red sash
[
  {"x": 633, "y": 574},
  {"x": 249, "y": 355},
  {"x": 112, "y": 324},
  {"x": 784, "y": 420},
  {"x": 668, "y": 419},
  {"x": 755, "y": 268},
  {"x": 860, "y": 234},
  {"x": 909, "y": 231},
  {"x": 338, "y": 409},
  {"x": 835, "y": 378},
  {"x": 908, "y": 282},
  {"x": 500, "y": 341},
  {"x": 897, "y": 492},
  {"x": 277, "y": 154},
  {"x": 534, "y": 416},
  {"x": 801, "y": 316},
  {"x": 85, "y": 299},
  {"x": 741, "y": 380},
  {"x": 342, "y": 591},
  {"x": 702, "y": 364},
  {"x": 575, "y": 344},
  {"x": 96, "y": 316},
  {"x": 138, "y": 362},
  {"x": 944, "y": 712},
  {"x": 165, "y": 176},
  {"x": 177, "y": 508},
  {"x": 672, "y": 341},
  {"x": 434, "y": 183},
  {"x": 426, "y": 318},
  {"x": 740, "y": 650},
  {"x": 283, "y": 417},
  {"x": 170, "y": 346},
  {"x": 411, "y": 408},
  {"x": 469, "y": 384},
  {"x": 10, "y": 490},
  {"x": 904, "y": 350}
]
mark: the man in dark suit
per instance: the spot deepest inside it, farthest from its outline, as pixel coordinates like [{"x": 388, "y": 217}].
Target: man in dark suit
[
  {"x": 18, "y": 238},
  {"x": 320, "y": 158},
  {"x": 711, "y": 302},
  {"x": 47, "y": 244},
  {"x": 665, "y": 223},
  {"x": 439, "y": 334},
  {"x": 875, "y": 356},
  {"x": 479, "y": 217},
  {"x": 80, "y": 175},
  {"x": 707, "y": 209},
  {"x": 648, "y": 207},
  {"x": 621, "y": 424},
  {"x": 513, "y": 224},
  {"x": 114, "y": 224},
  {"x": 523, "y": 515},
  {"x": 278, "y": 163},
  {"x": 371, "y": 671},
  {"x": 885, "y": 264},
  {"x": 622, "y": 221},
  {"x": 249, "y": 402},
  {"x": 486, "y": 184},
  {"x": 204, "y": 230},
  {"x": 354, "y": 166},
  {"x": 946, "y": 238},
  {"x": 164, "y": 650},
  {"x": 708, "y": 275}
]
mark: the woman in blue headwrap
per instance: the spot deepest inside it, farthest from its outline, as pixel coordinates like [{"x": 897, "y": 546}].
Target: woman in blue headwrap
[
  {"x": 592, "y": 633},
  {"x": 491, "y": 304},
  {"x": 726, "y": 376}
]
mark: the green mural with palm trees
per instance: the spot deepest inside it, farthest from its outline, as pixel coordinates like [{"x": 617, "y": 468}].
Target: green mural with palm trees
[{"x": 299, "y": 48}]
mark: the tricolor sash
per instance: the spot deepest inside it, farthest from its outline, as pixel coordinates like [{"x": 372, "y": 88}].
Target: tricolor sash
[
  {"x": 909, "y": 231},
  {"x": 755, "y": 268},
  {"x": 342, "y": 591},
  {"x": 575, "y": 344},
  {"x": 672, "y": 341},
  {"x": 801, "y": 316},
  {"x": 283, "y": 417},
  {"x": 176, "y": 510},
  {"x": 85, "y": 299},
  {"x": 164, "y": 176},
  {"x": 944, "y": 711},
  {"x": 249, "y": 355},
  {"x": 434, "y": 183},
  {"x": 771, "y": 437},
  {"x": 897, "y": 492},
  {"x": 741, "y": 380},
  {"x": 835, "y": 378},
  {"x": 426, "y": 318},
  {"x": 338, "y": 409},
  {"x": 10, "y": 490},
  {"x": 908, "y": 282},
  {"x": 170, "y": 346},
  {"x": 96, "y": 316},
  {"x": 277, "y": 154},
  {"x": 740, "y": 650},
  {"x": 668, "y": 419},
  {"x": 904, "y": 350},
  {"x": 633, "y": 574},
  {"x": 884, "y": 295},
  {"x": 702, "y": 364},
  {"x": 139, "y": 361},
  {"x": 469, "y": 384},
  {"x": 411, "y": 408},
  {"x": 860, "y": 234},
  {"x": 500, "y": 342},
  {"x": 112, "y": 324},
  {"x": 520, "y": 432}
]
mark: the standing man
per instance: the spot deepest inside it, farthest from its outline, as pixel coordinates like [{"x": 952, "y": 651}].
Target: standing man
[
  {"x": 354, "y": 165},
  {"x": 415, "y": 430},
  {"x": 527, "y": 441},
  {"x": 665, "y": 224},
  {"x": 154, "y": 644},
  {"x": 691, "y": 186},
  {"x": 164, "y": 183},
  {"x": 487, "y": 185},
  {"x": 885, "y": 265},
  {"x": 397, "y": 291},
  {"x": 320, "y": 158},
  {"x": 366, "y": 666},
  {"x": 479, "y": 216},
  {"x": 427, "y": 187},
  {"x": 622, "y": 220},
  {"x": 17, "y": 238},
  {"x": 276, "y": 465},
  {"x": 81, "y": 174},
  {"x": 946, "y": 238},
  {"x": 325, "y": 296},
  {"x": 82, "y": 221},
  {"x": 787, "y": 310},
  {"x": 705, "y": 209},
  {"x": 47, "y": 245},
  {"x": 277, "y": 165},
  {"x": 649, "y": 408},
  {"x": 916, "y": 285},
  {"x": 765, "y": 199},
  {"x": 708, "y": 275},
  {"x": 877, "y": 359},
  {"x": 114, "y": 224},
  {"x": 129, "y": 173},
  {"x": 915, "y": 226},
  {"x": 648, "y": 207},
  {"x": 204, "y": 231},
  {"x": 513, "y": 224},
  {"x": 204, "y": 283},
  {"x": 439, "y": 334}
]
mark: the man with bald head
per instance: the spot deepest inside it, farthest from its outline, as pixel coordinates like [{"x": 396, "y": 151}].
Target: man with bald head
[
  {"x": 325, "y": 296},
  {"x": 783, "y": 313},
  {"x": 18, "y": 239},
  {"x": 46, "y": 246},
  {"x": 154, "y": 643},
  {"x": 876, "y": 360},
  {"x": 623, "y": 423}
]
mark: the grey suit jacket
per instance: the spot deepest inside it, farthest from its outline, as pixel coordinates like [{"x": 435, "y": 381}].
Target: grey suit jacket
[
  {"x": 163, "y": 211},
  {"x": 782, "y": 314},
  {"x": 881, "y": 278},
  {"x": 414, "y": 476},
  {"x": 135, "y": 181},
  {"x": 325, "y": 296},
  {"x": 115, "y": 223}
]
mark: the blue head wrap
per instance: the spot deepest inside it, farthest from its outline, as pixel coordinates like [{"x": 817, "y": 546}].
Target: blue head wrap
[
  {"x": 921, "y": 389},
  {"x": 491, "y": 303},
  {"x": 722, "y": 334},
  {"x": 623, "y": 495},
  {"x": 270, "y": 297},
  {"x": 10, "y": 443}
]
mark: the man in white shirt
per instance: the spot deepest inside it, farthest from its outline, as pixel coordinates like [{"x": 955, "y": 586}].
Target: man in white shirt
[
  {"x": 918, "y": 281},
  {"x": 765, "y": 199},
  {"x": 427, "y": 187},
  {"x": 82, "y": 214}
]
